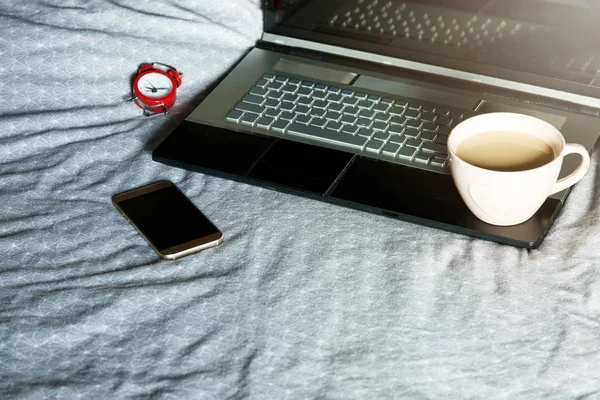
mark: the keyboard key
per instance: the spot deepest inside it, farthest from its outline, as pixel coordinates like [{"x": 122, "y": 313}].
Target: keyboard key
[
  {"x": 234, "y": 116},
  {"x": 374, "y": 145},
  {"x": 382, "y": 117},
  {"x": 304, "y": 92},
  {"x": 387, "y": 100},
  {"x": 335, "y": 107},
  {"x": 259, "y": 91},
  {"x": 352, "y": 111},
  {"x": 275, "y": 85},
  {"x": 349, "y": 120},
  {"x": 318, "y": 122},
  {"x": 321, "y": 88},
  {"x": 426, "y": 135},
  {"x": 350, "y": 101},
  {"x": 287, "y": 106},
  {"x": 399, "y": 140},
  {"x": 381, "y": 107},
  {"x": 422, "y": 158},
  {"x": 441, "y": 139},
  {"x": 293, "y": 81},
  {"x": 290, "y": 98},
  {"x": 428, "y": 109},
  {"x": 429, "y": 126},
  {"x": 319, "y": 95},
  {"x": 445, "y": 121},
  {"x": 413, "y": 123},
  {"x": 273, "y": 113},
  {"x": 271, "y": 103},
  {"x": 365, "y": 104},
  {"x": 249, "y": 119},
  {"x": 364, "y": 132},
  {"x": 417, "y": 107},
  {"x": 410, "y": 113},
  {"x": 431, "y": 147},
  {"x": 334, "y": 98},
  {"x": 281, "y": 79},
  {"x": 456, "y": 114},
  {"x": 442, "y": 111},
  {"x": 397, "y": 111},
  {"x": 390, "y": 149},
  {"x": 320, "y": 104},
  {"x": 251, "y": 108},
  {"x": 407, "y": 152},
  {"x": 427, "y": 116},
  {"x": 309, "y": 131},
  {"x": 411, "y": 132},
  {"x": 288, "y": 116},
  {"x": 364, "y": 122},
  {"x": 253, "y": 99},
  {"x": 334, "y": 90},
  {"x": 334, "y": 126},
  {"x": 444, "y": 130},
  {"x": 262, "y": 83},
  {"x": 401, "y": 103},
  {"x": 308, "y": 84},
  {"x": 413, "y": 142},
  {"x": 381, "y": 135},
  {"x": 333, "y": 116},
  {"x": 317, "y": 112},
  {"x": 265, "y": 122},
  {"x": 396, "y": 120},
  {"x": 302, "y": 110},
  {"x": 396, "y": 129},
  {"x": 347, "y": 92},
  {"x": 303, "y": 119},
  {"x": 367, "y": 114},
  {"x": 379, "y": 126},
  {"x": 350, "y": 129},
  {"x": 280, "y": 125},
  {"x": 438, "y": 161},
  {"x": 373, "y": 98},
  {"x": 360, "y": 95},
  {"x": 268, "y": 77},
  {"x": 275, "y": 95},
  {"x": 304, "y": 101}
]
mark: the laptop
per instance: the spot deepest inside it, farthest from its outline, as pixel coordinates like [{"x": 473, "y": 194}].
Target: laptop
[{"x": 351, "y": 101}]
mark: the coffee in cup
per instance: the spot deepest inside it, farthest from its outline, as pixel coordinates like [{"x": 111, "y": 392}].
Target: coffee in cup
[{"x": 505, "y": 165}]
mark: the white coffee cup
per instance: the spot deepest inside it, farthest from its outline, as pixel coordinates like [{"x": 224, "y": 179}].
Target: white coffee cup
[{"x": 511, "y": 197}]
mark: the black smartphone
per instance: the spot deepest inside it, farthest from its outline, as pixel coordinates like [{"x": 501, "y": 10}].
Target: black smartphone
[{"x": 168, "y": 220}]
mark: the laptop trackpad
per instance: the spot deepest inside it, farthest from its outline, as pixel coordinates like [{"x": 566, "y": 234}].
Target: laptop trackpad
[{"x": 300, "y": 167}]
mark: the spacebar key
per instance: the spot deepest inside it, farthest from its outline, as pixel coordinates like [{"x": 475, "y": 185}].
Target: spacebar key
[{"x": 307, "y": 131}]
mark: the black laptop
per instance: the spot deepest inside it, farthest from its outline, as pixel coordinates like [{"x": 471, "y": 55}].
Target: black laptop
[{"x": 351, "y": 101}]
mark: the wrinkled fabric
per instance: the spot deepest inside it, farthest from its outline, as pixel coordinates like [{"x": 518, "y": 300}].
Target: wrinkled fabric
[{"x": 303, "y": 300}]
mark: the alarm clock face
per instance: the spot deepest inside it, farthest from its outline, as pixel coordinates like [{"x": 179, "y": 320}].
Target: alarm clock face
[{"x": 154, "y": 85}]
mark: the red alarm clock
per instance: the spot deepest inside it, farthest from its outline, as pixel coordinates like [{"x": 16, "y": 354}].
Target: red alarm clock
[{"x": 155, "y": 87}]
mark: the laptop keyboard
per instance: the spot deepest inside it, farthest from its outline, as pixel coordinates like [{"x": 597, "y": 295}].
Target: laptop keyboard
[{"x": 384, "y": 128}]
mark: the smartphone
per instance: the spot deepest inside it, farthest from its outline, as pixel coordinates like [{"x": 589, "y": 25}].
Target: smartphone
[{"x": 168, "y": 220}]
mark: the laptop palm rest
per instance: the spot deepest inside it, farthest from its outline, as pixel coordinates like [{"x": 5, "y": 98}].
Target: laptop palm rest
[{"x": 341, "y": 178}]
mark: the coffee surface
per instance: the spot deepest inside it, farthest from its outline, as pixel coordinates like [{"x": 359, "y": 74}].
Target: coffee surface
[{"x": 505, "y": 151}]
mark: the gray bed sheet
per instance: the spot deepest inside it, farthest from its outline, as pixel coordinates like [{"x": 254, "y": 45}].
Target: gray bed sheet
[{"x": 303, "y": 300}]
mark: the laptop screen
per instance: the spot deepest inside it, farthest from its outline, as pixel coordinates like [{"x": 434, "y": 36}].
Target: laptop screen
[{"x": 549, "y": 43}]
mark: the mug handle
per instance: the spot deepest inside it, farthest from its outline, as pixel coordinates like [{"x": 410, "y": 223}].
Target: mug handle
[{"x": 579, "y": 172}]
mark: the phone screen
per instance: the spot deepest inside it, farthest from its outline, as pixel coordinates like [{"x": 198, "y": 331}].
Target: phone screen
[{"x": 167, "y": 217}]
